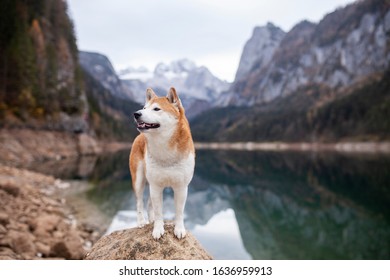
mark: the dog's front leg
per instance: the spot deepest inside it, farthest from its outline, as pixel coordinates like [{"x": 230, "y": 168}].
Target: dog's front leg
[
  {"x": 180, "y": 194},
  {"x": 156, "y": 195}
]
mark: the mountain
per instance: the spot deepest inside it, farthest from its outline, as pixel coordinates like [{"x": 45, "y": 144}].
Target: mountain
[
  {"x": 198, "y": 88},
  {"x": 41, "y": 83},
  {"x": 343, "y": 47},
  {"x": 311, "y": 114},
  {"x": 100, "y": 67},
  {"x": 324, "y": 82},
  {"x": 111, "y": 103},
  {"x": 259, "y": 49},
  {"x": 257, "y": 54},
  {"x": 109, "y": 116}
]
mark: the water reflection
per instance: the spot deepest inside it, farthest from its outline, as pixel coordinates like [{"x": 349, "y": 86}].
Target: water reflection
[
  {"x": 264, "y": 205},
  {"x": 222, "y": 230},
  {"x": 305, "y": 206}
]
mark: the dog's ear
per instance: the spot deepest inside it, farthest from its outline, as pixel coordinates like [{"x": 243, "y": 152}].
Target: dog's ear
[
  {"x": 173, "y": 97},
  {"x": 150, "y": 94}
]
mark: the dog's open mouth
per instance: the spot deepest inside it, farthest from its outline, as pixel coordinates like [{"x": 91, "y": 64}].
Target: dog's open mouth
[{"x": 143, "y": 125}]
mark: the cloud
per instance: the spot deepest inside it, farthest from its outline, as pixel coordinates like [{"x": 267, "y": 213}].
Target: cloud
[{"x": 209, "y": 32}]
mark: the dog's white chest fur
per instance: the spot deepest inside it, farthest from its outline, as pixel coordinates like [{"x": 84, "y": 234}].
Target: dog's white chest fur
[{"x": 168, "y": 170}]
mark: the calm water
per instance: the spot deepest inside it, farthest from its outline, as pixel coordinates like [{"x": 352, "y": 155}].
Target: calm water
[{"x": 263, "y": 205}]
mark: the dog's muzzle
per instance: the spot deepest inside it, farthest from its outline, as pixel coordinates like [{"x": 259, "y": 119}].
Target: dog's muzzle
[{"x": 143, "y": 125}]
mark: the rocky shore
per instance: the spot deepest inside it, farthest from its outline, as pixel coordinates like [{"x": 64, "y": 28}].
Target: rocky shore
[
  {"x": 36, "y": 225},
  {"x": 20, "y": 147}
]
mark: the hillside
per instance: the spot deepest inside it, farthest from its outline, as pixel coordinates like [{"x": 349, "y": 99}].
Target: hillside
[
  {"x": 110, "y": 102},
  {"x": 100, "y": 67},
  {"x": 42, "y": 86},
  {"x": 109, "y": 115},
  {"x": 40, "y": 79},
  {"x": 311, "y": 114}
]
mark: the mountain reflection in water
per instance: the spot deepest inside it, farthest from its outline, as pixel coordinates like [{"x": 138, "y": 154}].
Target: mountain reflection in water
[{"x": 267, "y": 205}]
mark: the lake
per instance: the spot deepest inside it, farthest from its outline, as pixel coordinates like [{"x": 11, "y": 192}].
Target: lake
[{"x": 256, "y": 204}]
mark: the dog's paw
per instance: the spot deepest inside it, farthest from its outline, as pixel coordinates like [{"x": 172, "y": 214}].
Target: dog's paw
[
  {"x": 158, "y": 230},
  {"x": 180, "y": 231}
]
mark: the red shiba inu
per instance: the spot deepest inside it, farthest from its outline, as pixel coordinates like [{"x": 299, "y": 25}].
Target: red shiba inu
[{"x": 163, "y": 155}]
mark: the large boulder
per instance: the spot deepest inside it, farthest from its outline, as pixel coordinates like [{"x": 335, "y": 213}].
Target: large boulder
[{"x": 138, "y": 244}]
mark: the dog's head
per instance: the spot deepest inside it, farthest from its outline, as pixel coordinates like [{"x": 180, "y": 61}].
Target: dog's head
[{"x": 159, "y": 113}]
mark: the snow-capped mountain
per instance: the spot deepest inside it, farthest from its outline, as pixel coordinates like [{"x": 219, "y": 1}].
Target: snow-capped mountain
[{"x": 197, "y": 86}]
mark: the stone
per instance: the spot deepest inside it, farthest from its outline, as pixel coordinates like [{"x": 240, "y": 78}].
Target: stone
[
  {"x": 70, "y": 248},
  {"x": 33, "y": 225},
  {"x": 45, "y": 224},
  {"x": 4, "y": 219},
  {"x": 7, "y": 254},
  {"x": 10, "y": 189},
  {"x": 22, "y": 242},
  {"x": 138, "y": 244},
  {"x": 2, "y": 230},
  {"x": 43, "y": 249}
]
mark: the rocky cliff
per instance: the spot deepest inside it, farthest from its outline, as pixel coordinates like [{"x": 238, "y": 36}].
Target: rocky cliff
[
  {"x": 101, "y": 69},
  {"x": 345, "y": 46},
  {"x": 259, "y": 49},
  {"x": 257, "y": 54}
]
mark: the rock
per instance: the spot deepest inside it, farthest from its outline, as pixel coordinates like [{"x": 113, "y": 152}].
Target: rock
[
  {"x": 4, "y": 218},
  {"x": 2, "y": 230},
  {"x": 10, "y": 189},
  {"x": 7, "y": 254},
  {"x": 42, "y": 249},
  {"x": 138, "y": 244},
  {"x": 69, "y": 248},
  {"x": 45, "y": 224},
  {"x": 22, "y": 242},
  {"x": 88, "y": 145}
]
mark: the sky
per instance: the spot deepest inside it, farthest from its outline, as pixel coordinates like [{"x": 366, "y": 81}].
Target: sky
[{"x": 211, "y": 33}]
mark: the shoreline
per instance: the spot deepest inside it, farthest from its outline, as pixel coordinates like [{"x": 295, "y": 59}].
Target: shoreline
[{"x": 346, "y": 147}]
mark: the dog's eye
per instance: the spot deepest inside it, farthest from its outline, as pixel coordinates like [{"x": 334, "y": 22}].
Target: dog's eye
[{"x": 156, "y": 109}]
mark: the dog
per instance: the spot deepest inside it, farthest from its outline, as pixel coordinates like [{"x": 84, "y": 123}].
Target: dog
[{"x": 163, "y": 155}]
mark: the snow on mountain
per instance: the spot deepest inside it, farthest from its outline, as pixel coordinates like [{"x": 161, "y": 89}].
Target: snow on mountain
[
  {"x": 131, "y": 73},
  {"x": 198, "y": 88}
]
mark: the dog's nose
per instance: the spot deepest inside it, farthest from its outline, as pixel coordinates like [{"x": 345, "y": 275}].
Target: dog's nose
[{"x": 137, "y": 115}]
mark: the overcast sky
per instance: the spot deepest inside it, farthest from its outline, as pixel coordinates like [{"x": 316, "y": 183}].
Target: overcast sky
[{"x": 209, "y": 32}]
